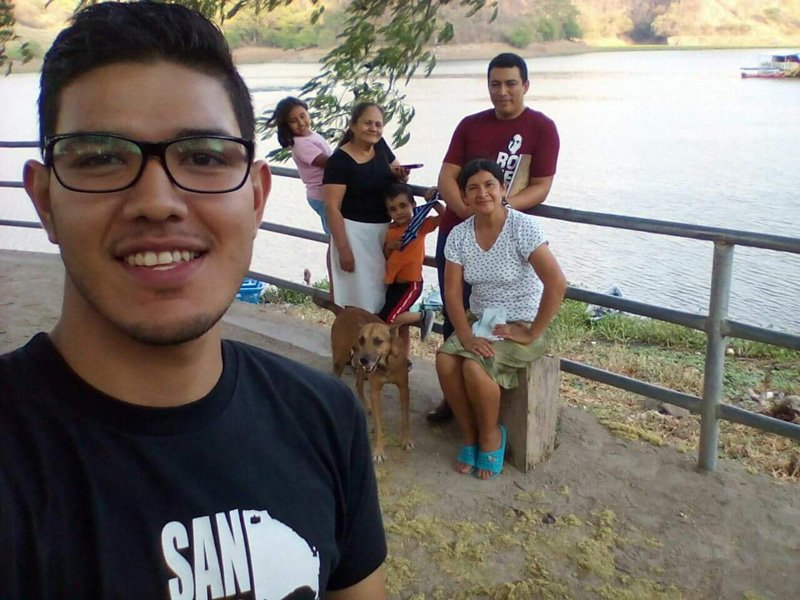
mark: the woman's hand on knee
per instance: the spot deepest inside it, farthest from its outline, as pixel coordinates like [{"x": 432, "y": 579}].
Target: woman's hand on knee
[{"x": 478, "y": 345}]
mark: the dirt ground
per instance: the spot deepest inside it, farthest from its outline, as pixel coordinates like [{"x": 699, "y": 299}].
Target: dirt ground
[{"x": 603, "y": 518}]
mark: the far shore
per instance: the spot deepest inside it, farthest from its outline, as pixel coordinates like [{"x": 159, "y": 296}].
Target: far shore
[
  {"x": 258, "y": 54},
  {"x": 262, "y": 54},
  {"x": 449, "y": 52}
]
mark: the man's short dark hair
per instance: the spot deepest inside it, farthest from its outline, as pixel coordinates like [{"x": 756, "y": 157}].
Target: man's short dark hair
[
  {"x": 139, "y": 32},
  {"x": 509, "y": 60}
]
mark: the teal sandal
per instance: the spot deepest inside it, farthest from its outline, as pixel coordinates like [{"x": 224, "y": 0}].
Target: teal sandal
[
  {"x": 468, "y": 455},
  {"x": 493, "y": 461}
]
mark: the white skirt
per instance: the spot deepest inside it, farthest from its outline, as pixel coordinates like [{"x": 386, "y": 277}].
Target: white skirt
[{"x": 364, "y": 287}]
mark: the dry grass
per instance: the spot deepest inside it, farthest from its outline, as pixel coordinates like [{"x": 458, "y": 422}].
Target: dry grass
[{"x": 518, "y": 551}]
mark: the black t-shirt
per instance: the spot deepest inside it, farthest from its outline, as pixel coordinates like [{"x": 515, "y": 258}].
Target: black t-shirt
[
  {"x": 366, "y": 182},
  {"x": 263, "y": 488}
]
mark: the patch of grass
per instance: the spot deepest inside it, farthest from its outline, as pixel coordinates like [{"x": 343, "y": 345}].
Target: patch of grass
[
  {"x": 512, "y": 553},
  {"x": 277, "y": 295}
]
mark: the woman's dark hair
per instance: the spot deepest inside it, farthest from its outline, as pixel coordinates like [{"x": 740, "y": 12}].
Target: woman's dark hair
[
  {"x": 280, "y": 116},
  {"x": 509, "y": 60},
  {"x": 355, "y": 115},
  {"x": 398, "y": 189},
  {"x": 475, "y": 166},
  {"x": 140, "y": 32}
]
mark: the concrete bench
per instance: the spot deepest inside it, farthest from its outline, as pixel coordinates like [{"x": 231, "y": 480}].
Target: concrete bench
[{"x": 530, "y": 413}]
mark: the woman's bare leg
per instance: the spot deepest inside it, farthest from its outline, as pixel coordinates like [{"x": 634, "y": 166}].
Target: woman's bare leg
[
  {"x": 451, "y": 380},
  {"x": 484, "y": 396}
]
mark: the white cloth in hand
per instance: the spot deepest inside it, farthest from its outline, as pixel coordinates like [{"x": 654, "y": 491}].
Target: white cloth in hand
[{"x": 491, "y": 317}]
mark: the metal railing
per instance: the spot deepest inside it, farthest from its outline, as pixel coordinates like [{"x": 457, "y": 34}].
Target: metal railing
[{"x": 715, "y": 324}]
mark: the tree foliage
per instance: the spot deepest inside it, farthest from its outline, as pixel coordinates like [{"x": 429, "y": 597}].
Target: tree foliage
[
  {"x": 7, "y": 36},
  {"x": 383, "y": 44}
]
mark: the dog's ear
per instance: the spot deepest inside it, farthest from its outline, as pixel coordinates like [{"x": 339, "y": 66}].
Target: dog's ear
[{"x": 394, "y": 330}]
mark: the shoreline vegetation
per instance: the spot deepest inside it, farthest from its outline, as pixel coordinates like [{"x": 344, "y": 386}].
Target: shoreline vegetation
[
  {"x": 758, "y": 377},
  {"x": 447, "y": 52}
]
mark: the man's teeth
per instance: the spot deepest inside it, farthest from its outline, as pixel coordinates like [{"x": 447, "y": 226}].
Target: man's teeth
[{"x": 156, "y": 259}]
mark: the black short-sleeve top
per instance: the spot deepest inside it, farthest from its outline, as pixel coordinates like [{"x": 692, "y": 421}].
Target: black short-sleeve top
[{"x": 363, "y": 199}]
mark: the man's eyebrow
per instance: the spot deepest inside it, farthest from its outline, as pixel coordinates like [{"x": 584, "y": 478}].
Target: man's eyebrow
[{"x": 203, "y": 131}]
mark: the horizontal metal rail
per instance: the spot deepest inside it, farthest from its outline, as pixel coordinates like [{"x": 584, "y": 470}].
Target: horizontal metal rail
[
  {"x": 717, "y": 328},
  {"x": 672, "y": 228},
  {"x": 19, "y": 144},
  {"x": 686, "y": 319},
  {"x": 25, "y": 224}
]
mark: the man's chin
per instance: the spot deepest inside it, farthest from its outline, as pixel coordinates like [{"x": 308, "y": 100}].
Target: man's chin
[{"x": 172, "y": 333}]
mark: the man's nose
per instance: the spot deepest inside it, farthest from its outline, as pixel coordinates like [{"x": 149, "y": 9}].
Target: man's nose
[{"x": 154, "y": 196}]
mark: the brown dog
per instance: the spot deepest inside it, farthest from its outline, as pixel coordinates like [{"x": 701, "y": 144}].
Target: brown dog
[{"x": 377, "y": 355}]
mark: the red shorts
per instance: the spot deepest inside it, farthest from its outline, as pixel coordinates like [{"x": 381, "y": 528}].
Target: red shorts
[{"x": 400, "y": 297}]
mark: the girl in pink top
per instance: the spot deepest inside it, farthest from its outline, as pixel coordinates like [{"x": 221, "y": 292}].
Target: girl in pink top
[{"x": 310, "y": 151}]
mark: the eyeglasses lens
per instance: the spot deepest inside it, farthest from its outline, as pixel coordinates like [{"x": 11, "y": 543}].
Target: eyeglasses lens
[
  {"x": 207, "y": 164},
  {"x": 96, "y": 163}
]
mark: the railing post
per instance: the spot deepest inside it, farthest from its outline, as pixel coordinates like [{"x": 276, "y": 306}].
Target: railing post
[{"x": 715, "y": 355}]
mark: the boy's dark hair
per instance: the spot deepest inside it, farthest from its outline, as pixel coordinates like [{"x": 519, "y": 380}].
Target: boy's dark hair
[
  {"x": 139, "y": 32},
  {"x": 509, "y": 60},
  {"x": 476, "y": 165},
  {"x": 393, "y": 190},
  {"x": 280, "y": 116},
  {"x": 355, "y": 115}
]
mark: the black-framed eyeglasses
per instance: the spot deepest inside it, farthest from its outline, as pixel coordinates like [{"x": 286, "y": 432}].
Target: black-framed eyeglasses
[{"x": 98, "y": 163}]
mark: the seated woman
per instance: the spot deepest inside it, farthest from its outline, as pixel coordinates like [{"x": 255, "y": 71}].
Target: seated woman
[
  {"x": 517, "y": 288},
  {"x": 356, "y": 176}
]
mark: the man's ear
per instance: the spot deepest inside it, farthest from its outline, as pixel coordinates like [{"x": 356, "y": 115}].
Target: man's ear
[
  {"x": 262, "y": 184},
  {"x": 36, "y": 178},
  {"x": 526, "y": 86}
]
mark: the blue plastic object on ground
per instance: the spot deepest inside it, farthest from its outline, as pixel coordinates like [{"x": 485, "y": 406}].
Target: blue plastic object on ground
[{"x": 251, "y": 290}]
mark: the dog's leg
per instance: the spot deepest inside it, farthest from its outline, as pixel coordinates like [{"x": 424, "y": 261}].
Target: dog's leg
[
  {"x": 405, "y": 421},
  {"x": 360, "y": 389},
  {"x": 375, "y": 389},
  {"x": 338, "y": 368}
]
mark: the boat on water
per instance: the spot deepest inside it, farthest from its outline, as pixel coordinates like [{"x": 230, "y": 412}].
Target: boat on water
[{"x": 774, "y": 66}]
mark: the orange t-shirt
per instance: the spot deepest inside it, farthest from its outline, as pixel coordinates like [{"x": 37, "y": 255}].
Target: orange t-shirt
[{"x": 406, "y": 264}]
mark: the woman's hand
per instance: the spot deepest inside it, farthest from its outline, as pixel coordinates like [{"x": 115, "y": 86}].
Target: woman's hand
[
  {"x": 347, "y": 261},
  {"x": 478, "y": 345},
  {"x": 515, "y": 332},
  {"x": 400, "y": 172}
]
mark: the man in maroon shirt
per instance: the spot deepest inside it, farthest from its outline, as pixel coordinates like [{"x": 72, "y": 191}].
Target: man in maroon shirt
[{"x": 504, "y": 134}]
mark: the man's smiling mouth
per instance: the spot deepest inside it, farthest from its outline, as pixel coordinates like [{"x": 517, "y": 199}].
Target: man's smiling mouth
[{"x": 164, "y": 259}]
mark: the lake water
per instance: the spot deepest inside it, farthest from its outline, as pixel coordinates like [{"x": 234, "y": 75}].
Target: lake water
[{"x": 672, "y": 135}]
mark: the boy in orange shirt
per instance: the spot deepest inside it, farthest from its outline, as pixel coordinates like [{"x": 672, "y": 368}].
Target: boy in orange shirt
[{"x": 404, "y": 264}]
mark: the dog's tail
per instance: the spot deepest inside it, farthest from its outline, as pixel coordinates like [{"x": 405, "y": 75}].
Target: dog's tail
[{"x": 324, "y": 301}]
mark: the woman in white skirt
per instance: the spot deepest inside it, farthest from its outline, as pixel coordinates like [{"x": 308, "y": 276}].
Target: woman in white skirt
[{"x": 355, "y": 176}]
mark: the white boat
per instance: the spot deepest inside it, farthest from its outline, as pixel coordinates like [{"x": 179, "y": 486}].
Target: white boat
[{"x": 774, "y": 66}]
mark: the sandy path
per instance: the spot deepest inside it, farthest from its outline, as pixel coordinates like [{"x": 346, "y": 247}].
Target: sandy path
[{"x": 629, "y": 520}]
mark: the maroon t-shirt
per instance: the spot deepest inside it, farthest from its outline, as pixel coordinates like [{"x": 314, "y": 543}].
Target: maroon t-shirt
[{"x": 483, "y": 135}]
